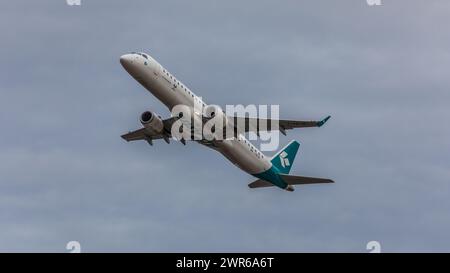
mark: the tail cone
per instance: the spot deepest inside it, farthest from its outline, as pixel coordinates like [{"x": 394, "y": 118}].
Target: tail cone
[{"x": 289, "y": 188}]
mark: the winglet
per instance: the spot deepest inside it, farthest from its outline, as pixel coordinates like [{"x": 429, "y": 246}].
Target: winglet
[{"x": 322, "y": 122}]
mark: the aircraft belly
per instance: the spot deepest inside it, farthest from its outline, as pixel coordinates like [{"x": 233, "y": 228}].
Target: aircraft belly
[{"x": 241, "y": 157}]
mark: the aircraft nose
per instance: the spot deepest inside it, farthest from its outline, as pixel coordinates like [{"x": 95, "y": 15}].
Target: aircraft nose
[{"x": 126, "y": 60}]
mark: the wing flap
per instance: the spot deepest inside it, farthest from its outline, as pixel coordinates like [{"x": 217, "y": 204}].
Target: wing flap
[
  {"x": 141, "y": 134},
  {"x": 134, "y": 135}
]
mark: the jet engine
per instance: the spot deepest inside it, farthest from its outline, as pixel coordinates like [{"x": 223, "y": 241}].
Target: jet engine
[{"x": 152, "y": 122}]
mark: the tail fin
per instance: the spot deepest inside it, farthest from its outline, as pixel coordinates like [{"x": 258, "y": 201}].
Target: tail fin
[{"x": 285, "y": 157}]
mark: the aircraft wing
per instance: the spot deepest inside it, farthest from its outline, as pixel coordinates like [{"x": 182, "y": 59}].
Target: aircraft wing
[
  {"x": 256, "y": 125},
  {"x": 143, "y": 134},
  {"x": 140, "y": 134}
]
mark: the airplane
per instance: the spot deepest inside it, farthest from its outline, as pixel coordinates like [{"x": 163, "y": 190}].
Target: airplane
[{"x": 273, "y": 171}]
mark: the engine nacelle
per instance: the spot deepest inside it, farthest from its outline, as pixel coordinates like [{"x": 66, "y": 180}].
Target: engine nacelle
[{"x": 152, "y": 122}]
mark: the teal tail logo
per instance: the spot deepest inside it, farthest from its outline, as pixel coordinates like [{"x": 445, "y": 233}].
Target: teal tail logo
[
  {"x": 283, "y": 160},
  {"x": 285, "y": 157}
]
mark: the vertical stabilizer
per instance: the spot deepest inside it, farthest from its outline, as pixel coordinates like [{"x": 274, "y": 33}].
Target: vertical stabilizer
[{"x": 284, "y": 159}]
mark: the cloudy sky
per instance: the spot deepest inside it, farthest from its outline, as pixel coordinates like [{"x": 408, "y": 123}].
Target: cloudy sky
[{"x": 381, "y": 72}]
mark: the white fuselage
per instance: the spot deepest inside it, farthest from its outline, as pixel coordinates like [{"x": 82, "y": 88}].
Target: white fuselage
[{"x": 170, "y": 91}]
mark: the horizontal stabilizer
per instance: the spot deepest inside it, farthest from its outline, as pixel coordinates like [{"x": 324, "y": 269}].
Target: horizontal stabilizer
[
  {"x": 301, "y": 180},
  {"x": 290, "y": 180},
  {"x": 260, "y": 184}
]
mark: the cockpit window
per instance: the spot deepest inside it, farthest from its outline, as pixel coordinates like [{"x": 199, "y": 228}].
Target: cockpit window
[{"x": 141, "y": 54}]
